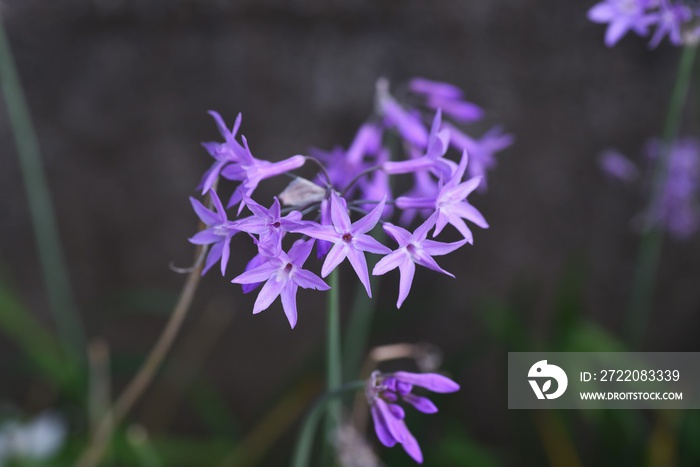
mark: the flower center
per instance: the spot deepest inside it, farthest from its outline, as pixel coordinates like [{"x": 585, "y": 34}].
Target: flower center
[
  {"x": 276, "y": 224},
  {"x": 288, "y": 267},
  {"x": 347, "y": 238}
]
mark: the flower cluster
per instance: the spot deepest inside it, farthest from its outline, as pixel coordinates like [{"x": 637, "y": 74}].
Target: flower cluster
[
  {"x": 678, "y": 207},
  {"x": 356, "y": 181},
  {"x": 676, "y": 19},
  {"x": 385, "y": 390}
]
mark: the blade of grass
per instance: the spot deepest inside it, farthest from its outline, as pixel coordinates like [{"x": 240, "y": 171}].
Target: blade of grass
[
  {"x": 51, "y": 257},
  {"x": 36, "y": 341}
]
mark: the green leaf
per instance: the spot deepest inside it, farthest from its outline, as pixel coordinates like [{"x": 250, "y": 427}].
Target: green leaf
[{"x": 37, "y": 342}]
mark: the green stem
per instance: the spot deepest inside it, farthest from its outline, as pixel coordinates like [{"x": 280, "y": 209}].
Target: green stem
[
  {"x": 360, "y": 322},
  {"x": 638, "y": 311},
  {"x": 302, "y": 451},
  {"x": 40, "y": 207},
  {"x": 334, "y": 371}
]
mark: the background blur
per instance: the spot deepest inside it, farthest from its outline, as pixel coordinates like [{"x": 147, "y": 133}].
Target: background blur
[{"x": 119, "y": 90}]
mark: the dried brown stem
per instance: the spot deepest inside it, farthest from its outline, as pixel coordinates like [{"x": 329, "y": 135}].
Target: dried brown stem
[{"x": 136, "y": 387}]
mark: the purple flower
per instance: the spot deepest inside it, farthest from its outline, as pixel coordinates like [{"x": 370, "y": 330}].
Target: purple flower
[
  {"x": 481, "y": 152},
  {"x": 679, "y": 208},
  {"x": 413, "y": 249},
  {"x": 251, "y": 171},
  {"x": 622, "y": 16},
  {"x": 283, "y": 275},
  {"x": 447, "y": 97},
  {"x": 451, "y": 204},
  {"x": 438, "y": 141},
  {"x": 406, "y": 123},
  {"x": 350, "y": 240},
  {"x": 384, "y": 390},
  {"x": 218, "y": 232},
  {"x": 268, "y": 224},
  {"x": 376, "y": 185},
  {"x": 618, "y": 166},
  {"x": 342, "y": 166},
  {"x": 669, "y": 20},
  {"x": 223, "y": 153}
]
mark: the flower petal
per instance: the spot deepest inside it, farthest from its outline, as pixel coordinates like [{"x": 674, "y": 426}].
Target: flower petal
[
  {"x": 213, "y": 256},
  {"x": 205, "y": 215},
  {"x": 272, "y": 288},
  {"x": 205, "y": 237},
  {"x": 364, "y": 242},
  {"x": 407, "y": 269},
  {"x": 339, "y": 214},
  {"x": 309, "y": 280},
  {"x": 289, "y": 302},
  {"x": 422, "y": 404},
  {"x": 257, "y": 274},
  {"x": 390, "y": 262},
  {"x": 368, "y": 222},
  {"x": 431, "y": 381},
  {"x": 336, "y": 256},
  {"x": 381, "y": 428},
  {"x": 359, "y": 264},
  {"x": 434, "y": 248}
]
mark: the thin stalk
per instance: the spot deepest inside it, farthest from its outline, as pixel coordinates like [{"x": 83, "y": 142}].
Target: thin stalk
[
  {"x": 360, "y": 322},
  {"x": 138, "y": 384},
  {"x": 53, "y": 266},
  {"x": 642, "y": 294},
  {"x": 302, "y": 451},
  {"x": 334, "y": 364}
]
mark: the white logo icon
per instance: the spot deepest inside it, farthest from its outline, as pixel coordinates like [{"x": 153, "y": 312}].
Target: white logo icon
[{"x": 541, "y": 370}]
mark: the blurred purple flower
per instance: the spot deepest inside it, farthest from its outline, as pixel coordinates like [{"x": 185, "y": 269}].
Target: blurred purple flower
[
  {"x": 413, "y": 249},
  {"x": 481, "y": 151},
  {"x": 383, "y": 391},
  {"x": 617, "y": 166},
  {"x": 438, "y": 141},
  {"x": 669, "y": 19},
  {"x": 218, "y": 232},
  {"x": 408, "y": 124},
  {"x": 283, "y": 275},
  {"x": 448, "y": 97},
  {"x": 679, "y": 209},
  {"x": 622, "y": 16},
  {"x": 350, "y": 240},
  {"x": 342, "y": 166}
]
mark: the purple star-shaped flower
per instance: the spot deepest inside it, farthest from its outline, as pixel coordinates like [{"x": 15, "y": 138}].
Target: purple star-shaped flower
[
  {"x": 268, "y": 224},
  {"x": 223, "y": 153},
  {"x": 283, "y": 275},
  {"x": 251, "y": 171},
  {"x": 622, "y": 16},
  {"x": 350, "y": 240},
  {"x": 383, "y": 391},
  {"x": 413, "y": 249},
  {"x": 218, "y": 232},
  {"x": 438, "y": 141},
  {"x": 669, "y": 21},
  {"x": 451, "y": 204},
  {"x": 481, "y": 151},
  {"x": 448, "y": 97}
]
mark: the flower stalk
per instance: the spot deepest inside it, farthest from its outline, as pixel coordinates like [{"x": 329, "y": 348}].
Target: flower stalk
[{"x": 642, "y": 293}]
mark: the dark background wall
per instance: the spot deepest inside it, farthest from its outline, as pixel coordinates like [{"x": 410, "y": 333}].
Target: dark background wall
[{"x": 119, "y": 92}]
